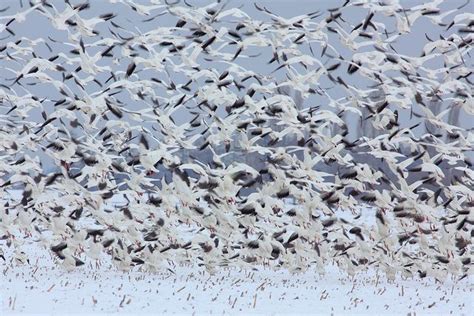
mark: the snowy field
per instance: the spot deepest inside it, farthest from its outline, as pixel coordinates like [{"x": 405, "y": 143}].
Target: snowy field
[
  {"x": 49, "y": 290},
  {"x": 43, "y": 287}
]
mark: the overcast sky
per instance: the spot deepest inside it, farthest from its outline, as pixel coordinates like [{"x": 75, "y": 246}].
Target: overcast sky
[{"x": 38, "y": 26}]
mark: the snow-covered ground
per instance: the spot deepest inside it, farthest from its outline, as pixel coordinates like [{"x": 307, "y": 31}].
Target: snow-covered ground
[{"x": 43, "y": 287}]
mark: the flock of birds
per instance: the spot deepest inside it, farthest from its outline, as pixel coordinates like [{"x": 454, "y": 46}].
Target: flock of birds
[{"x": 229, "y": 135}]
